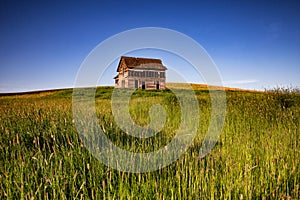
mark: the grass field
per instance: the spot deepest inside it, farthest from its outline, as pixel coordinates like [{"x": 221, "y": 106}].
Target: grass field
[{"x": 256, "y": 157}]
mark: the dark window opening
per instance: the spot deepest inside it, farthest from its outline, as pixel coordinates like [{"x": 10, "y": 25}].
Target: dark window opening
[{"x": 162, "y": 75}]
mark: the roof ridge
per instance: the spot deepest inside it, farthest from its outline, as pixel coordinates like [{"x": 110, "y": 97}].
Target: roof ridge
[{"x": 132, "y": 62}]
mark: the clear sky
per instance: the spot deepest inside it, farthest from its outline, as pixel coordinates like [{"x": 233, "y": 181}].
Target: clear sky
[{"x": 255, "y": 44}]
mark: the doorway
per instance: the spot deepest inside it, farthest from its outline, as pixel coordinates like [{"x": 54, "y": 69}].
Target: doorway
[
  {"x": 143, "y": 85},
  {"x": 157, "y": 85}
]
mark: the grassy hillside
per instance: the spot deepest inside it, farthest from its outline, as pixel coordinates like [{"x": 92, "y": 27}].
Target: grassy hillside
[{"x": 257, "y": 154}]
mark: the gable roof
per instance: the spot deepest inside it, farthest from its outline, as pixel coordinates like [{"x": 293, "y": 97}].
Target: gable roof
[{"x": 132, "y": 62}]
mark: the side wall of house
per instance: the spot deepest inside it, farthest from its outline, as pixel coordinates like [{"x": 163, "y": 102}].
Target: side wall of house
[{"x": 122, "y": 79}]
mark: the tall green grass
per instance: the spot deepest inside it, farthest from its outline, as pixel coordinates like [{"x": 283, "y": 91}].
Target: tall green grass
[{"x": 256, "y": 157}]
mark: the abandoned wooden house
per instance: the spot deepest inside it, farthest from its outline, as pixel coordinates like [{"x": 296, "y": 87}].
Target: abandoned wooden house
[{"x": 144, "y": 73}]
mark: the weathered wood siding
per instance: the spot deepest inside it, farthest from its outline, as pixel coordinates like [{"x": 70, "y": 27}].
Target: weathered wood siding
[{"x": 148, "y": 76}]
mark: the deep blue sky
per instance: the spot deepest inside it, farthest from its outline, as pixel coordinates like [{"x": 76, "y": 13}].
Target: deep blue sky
[{"x": 43, "y": 43}]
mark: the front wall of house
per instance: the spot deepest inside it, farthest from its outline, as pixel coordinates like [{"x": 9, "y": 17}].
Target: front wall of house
[
  {"x": 145, "y": 79},
  {"x": 150, "y": 84}
]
